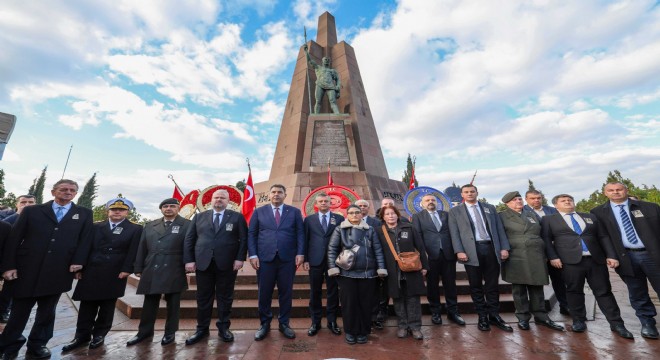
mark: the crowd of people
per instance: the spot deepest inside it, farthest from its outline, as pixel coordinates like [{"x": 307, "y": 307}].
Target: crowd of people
[{"x": 365, "y": 261}]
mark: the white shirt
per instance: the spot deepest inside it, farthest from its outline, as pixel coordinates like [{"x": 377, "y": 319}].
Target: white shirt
[
  {"x": 580, "y": 221},
  {"x": 477, "y": 234}
]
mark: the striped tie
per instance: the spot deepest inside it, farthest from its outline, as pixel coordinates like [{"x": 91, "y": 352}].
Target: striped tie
[{"x": 627, "y": 225}]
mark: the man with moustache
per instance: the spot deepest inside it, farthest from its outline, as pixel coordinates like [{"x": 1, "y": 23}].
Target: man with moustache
[
  {"x": 534, "y": 200},
  {"x": 48, "y": 243},
  {"x": 276, "y": 246},
  {"x": 633, "y": 228},
  {"x": 575, "y": 245},
  {"x": 433, "y": 226},
  {"x": 215, "y": 248},
  {"x": 318, "y": 230},
  {"x": 111, "y": 261},
  {"x": 480, "y": 243}
]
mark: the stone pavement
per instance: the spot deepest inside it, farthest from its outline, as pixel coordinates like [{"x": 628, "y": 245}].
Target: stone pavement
[{"x": 445, "y": 341}]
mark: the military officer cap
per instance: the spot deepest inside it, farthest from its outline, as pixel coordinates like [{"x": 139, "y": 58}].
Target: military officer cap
[
  {"x": 119, "y": 203},
  {"x": 169, "y": 201},
  {"x": 510, "y": 196}
]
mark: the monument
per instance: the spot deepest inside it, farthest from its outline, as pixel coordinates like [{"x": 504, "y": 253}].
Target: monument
[{"x": 318, "y": 135}]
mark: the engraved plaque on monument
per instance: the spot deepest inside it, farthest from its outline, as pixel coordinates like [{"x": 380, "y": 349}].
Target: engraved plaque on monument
[{"x": 329, "y": 144}]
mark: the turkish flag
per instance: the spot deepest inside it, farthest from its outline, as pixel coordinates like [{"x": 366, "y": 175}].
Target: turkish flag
[
  {"x": 412, "y": 179},
  {"x": 249, "y": 201},
  {"x": 178, "y": 194}
]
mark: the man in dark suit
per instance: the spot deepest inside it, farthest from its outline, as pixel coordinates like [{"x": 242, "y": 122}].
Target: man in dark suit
[
  {"x": 111, "y": 261},
  {"x": 364, "y": 208},
  {"x": 534, "y": 200},
  {"x": 318, "y": 230},
  {"x": 575, "y": 245},
  {"x": 48, "y": 243},
  {"x": 433, "y": 226},
  {"x": 633, "y": 228},
  {"x": 215, "y": 249},
  {"x": 479, "y": 241},
  {"x": 276, "y": 246}
]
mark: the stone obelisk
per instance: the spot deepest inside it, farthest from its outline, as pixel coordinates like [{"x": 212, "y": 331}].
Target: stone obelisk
[{"x": 347, "y": 141}]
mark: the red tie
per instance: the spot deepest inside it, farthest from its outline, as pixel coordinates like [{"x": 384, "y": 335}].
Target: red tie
[{"x": 277, "y": 216}]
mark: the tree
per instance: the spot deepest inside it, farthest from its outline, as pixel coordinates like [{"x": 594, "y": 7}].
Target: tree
[
  {"x": 101, "y": 214},
  {"x": 2, "y": 183},
  {"x": 408, "y": 173},
  {"x": 645, "y": 193},
  {"x": 37, "y": 188},
  {"x": 241, "y": 185},
  {"x": 88, "y": 195},
  {"x": 531, "y": 187}
]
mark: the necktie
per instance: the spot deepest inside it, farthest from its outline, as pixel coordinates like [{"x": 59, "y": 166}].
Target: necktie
[
  {"x": 578, "y": 230},
  {"x": 114, "y": 226},
  {"x": 59, "y": 214},
  {"x": 168, "y": 223},
  {"x": 627, "y": 225},
  {"x": 277, "y": 216},
  {"x": 480, "y": 223},
  {"x": 216, "y": 222},
  {"x": 434, "y": 216},
  {"x": 324, "y": 222}
]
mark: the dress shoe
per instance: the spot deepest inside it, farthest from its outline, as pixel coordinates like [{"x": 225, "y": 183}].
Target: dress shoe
[
  {"x": 621, "y": 330},
  {"x": 564, "y": 310},
  {"x": 361, "y": 339},
  {"x": 417, "y": 334},
  {"x": 456, "y": 318},
  {"x": 523, "y": 324},
  {"x": 96, "y": 342},
  {"x": 579, "y": 326},
  {"x": 377, "y": 325},
  {"x": 262, "y": 332},
  {"x": 314, "y": 329},
  {"x": 9, "y": 356},
  {"x": 74, "y": 344},
  {"x": 350, "y": 339},
  {"x": 39, "y": 352},
  {"x": 334, "y": 328},
  {"x": 549, "y": 324},
  {"x": 649, "y": 331},
  {"x": 483, "y": 323},
  {"x": 436, "y": 319},
  {"x": 500, "y": 323},
  {"x": 402, "y": 333},
  {"x": 137, "y": 339},
  {"x": 287, "y": 331},
  {"x": 197, "y": 336},
  {"x": 226, "y": 335},
  {"x": 167, "y": 339}
]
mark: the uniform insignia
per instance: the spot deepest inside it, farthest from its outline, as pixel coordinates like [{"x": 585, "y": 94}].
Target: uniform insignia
[
  {"x": 75, "y": 217},
  {"x": 229, "y": 227},
  {"x": 487, "y": 210},
  {"x": 118, "y": 230},
  {"x": 637, "y": 213},
  {"x": 531, "y": 220},
  {"x": 588, "y": 221},
  {"x": 175, "y": 229},
  {"x": 333, "y": 221},
  {"x": 404, "y": 234}
]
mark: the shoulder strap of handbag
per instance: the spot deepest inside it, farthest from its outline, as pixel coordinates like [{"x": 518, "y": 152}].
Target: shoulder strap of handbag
[{"x": 389, "y": 242}]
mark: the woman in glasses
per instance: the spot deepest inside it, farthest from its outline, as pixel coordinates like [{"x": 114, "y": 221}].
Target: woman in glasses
[
  {"x": 357, "y": 278},
  {"x": 404, "y": 288}
]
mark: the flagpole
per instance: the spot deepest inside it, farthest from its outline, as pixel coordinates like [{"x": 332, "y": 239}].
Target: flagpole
[
  {"x": 175, "y": 184},
  {"x": 473, "y": 176},
  {"x": 309, "y": 88},
  {"x": 67, "y": 161}
]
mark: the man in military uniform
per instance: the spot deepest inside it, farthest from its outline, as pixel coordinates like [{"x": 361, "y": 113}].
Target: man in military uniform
[
  {"x": 109, "y": 263},
  {"x": 327, "y": 81}
]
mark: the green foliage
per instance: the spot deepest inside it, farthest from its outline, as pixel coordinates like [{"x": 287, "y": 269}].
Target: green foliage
[
  {"x": 2, "y": 183},
  {"x": 500, "y": 207},
  {"x": 101, "y": 214},
  {"x": 408, "y": 173},
  {"x": 37, "y": 188},
  {"x": 645, "y": 193},
  {"x": 88, "y": 195},
  {"x": 241, "y": 185},
  {"x": 6, "y": 199}
]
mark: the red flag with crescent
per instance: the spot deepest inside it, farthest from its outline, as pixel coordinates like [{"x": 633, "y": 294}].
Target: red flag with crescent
[
  {"x": 412, "y": 179},
  {"x": 177, "y": 194},
  {"x": 249, "y": 201}
]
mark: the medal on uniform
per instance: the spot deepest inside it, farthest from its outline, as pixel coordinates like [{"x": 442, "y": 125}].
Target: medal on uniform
[
  {"x": 637, "y": 213},
  {"x": 75, "y": 217},
  {"x": 531, "y": 220},
  {"x": 588, "y": 221},
  {"x": 175, "y": 229},
  {"x": 487, "y": 210},
  {"x": 404, "y": 234},
  {"x": 229, "y": 227},
  {"x": 118, "y": 230}
]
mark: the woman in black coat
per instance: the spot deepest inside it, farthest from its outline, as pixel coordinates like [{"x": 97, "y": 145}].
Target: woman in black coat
[
  {"x": 103, "y": 280},
  {"x": 357, "y": 285},
  {"x": 404, "y": 288}
]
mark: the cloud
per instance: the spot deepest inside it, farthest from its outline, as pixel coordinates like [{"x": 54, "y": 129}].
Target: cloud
[
  {"x": 307, "y": 12},
  {"x": 269, "y": 112}
]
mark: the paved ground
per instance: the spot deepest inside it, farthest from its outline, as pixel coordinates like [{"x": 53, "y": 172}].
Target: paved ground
[{"x": 445, "y": 341}]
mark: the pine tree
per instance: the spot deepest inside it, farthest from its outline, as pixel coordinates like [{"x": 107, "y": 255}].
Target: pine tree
[
  {"x": 408, "y": 173},
  {"x": 2, "y": 183},
  {"x": 241, "y": 185},
  {"x": 37, "y": 188},
  {"x": 88, "y": 195}
]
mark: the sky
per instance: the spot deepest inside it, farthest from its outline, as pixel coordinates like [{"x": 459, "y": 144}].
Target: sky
[{"x": 554, "y": 91}]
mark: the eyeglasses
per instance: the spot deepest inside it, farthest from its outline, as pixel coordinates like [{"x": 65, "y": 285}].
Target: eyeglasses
[{"x": 354, "y": 212}]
